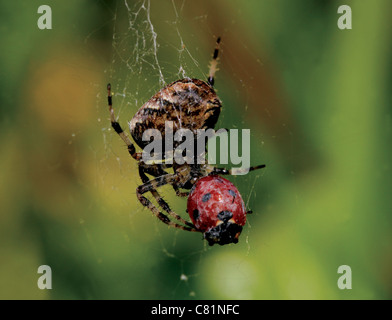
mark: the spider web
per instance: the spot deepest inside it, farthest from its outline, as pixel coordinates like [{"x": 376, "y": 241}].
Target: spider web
[{"x": 149, "y": 50}]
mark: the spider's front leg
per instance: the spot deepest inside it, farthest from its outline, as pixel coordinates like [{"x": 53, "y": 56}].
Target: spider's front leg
[
  {"x": 180, "y": 193},
  {"x": 150, "y": 186},
  {"x": 157, "y": 171},
  {"x": 224, "y": 171},
  {"x": 116, "y": 126}
]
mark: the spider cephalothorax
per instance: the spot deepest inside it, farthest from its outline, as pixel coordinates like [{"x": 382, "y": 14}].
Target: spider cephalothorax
[{"x": 187, "y": 104}]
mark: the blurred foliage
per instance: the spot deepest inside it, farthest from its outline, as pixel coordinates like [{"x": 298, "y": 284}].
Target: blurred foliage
[{"x": 317, "y": 100}]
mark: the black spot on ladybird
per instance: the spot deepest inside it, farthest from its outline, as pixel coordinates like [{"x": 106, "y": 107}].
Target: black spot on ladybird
[
  {"x": 195, "y": 214},
  {"x": 225, "y": 215},
  {"x": 206, "y": 197}
]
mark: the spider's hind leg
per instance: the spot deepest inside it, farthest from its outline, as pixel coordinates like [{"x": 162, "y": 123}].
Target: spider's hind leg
[{"x": 116, "y": 126}]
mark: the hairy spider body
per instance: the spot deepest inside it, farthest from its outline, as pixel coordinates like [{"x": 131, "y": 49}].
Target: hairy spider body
[{"x": 187, "y": 104}]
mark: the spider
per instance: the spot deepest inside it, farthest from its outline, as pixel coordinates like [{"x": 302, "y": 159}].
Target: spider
[{"x": 191, "y": 104}]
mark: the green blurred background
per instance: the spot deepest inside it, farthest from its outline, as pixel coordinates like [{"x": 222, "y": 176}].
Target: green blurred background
[{"x": 316, "y": 98}]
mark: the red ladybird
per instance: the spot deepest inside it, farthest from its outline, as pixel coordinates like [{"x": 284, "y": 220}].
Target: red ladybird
[{"x": 216, "y": 208}]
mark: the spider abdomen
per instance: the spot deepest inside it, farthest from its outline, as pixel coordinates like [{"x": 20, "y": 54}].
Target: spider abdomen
[{"x": 187, "y": 103}]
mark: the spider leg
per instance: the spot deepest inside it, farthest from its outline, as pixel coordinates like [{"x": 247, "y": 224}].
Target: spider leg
[
  {"x": 213, "y": 64},
  {"x": 152, "y": 185},
  {"x": 223, "y": 171},
  {"x": 178, "y": 192},
  {"x": 116, "y": 126},
  {"x": 160, "y": 167},
  {"x": 157, "y": 172}
]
